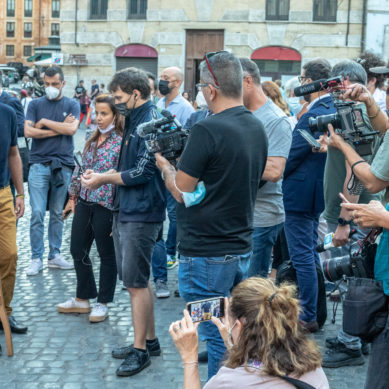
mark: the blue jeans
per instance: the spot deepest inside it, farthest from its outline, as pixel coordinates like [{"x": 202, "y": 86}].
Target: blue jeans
[
  {"x": 171, "y": 239},
  {"x": 39, "y": 183},
  {"x": 264, "y": 238},
  {"x": 205, "y": 277},
  {"x": 158, "y": 261},
  {"x": 301, "y": 231}
]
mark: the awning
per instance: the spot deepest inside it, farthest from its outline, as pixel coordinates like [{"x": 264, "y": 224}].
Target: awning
[
  {"x": 38, "y": 57},
  {"x": 277, "y": 53}
]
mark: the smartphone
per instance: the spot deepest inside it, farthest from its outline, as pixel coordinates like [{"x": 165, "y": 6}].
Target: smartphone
[
  {"x": 77, "y": 160},
  {"x": 310, "y": 139},
  {"x": 341, "y": 195},
  {"x": 203, "y": 310}
]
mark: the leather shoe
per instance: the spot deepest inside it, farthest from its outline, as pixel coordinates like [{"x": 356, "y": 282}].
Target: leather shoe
[
  {"x": 16, "y": 328},
  {"x": 311, "y": 326},
  {"x": 152, "y": 347},
  {"x": 134, "y": 363}
]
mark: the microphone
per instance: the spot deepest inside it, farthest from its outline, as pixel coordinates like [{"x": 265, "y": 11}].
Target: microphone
[{"x": 307, "y": 89}]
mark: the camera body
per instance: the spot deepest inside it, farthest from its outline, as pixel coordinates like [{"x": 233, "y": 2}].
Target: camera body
[
  {"x": 164, "y": 135},
  {"x": 350, "y": 125}
]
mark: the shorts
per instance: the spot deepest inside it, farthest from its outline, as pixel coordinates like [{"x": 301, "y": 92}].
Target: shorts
[{"x": 134, "y": 245}]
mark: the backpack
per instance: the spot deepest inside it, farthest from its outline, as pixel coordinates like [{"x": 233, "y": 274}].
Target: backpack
[{"x": 287, "y": 273}]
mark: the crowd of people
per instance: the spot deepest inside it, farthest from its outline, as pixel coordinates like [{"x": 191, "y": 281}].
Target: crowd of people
[{"x": 246, "y": 187}]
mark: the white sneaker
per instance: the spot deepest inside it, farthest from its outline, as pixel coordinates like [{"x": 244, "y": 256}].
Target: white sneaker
[
  {"x": 99, "y": 313},
  {"x": 59, "y": 263},
  {"x": 74, "y": 306},
  {"x": 35, "y": 267}
]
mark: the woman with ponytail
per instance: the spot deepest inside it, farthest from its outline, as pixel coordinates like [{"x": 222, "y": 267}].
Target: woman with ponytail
[
  {"x": 93, "y": 215},
  {"x": 267, "y": 348}
]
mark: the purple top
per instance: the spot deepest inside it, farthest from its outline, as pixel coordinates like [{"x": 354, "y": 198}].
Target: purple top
[{"x": 106, "y": 158}]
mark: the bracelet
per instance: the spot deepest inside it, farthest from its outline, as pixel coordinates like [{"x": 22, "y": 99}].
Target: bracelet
[
  {"x": 20, "y": 195},
  {"x": 375, "y": 115},
  {"x": 356, "y": 163},
  {"x": 194, "y": 363}
]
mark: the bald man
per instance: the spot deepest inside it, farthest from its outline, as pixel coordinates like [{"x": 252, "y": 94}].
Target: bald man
[{"x": 169, "y": 87}]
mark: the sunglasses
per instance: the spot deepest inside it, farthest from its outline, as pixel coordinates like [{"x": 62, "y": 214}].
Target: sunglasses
[{"x": 207, "y": 57}]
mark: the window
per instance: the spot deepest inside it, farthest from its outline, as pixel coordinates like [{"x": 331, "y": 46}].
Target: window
[
  {"x": 277, "y": 9},
  {"x": 27, "y": 51},
  {"x": 10, "y": 7},
  {"x": 27, "y": 8},
  {"x": 10, "y": 50},
  {"x": 55, "y": 8},
  {"x": 10, "y": 29},
  {"x": 55, "y": 29},
  {"x": 324, "y": 10},
  {"x": 137, "y": 9},
  {"x": 27, "y": 30},
  {"x": 98, "y": 9}
]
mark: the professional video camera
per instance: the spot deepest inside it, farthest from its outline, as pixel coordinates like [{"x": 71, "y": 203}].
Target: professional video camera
[
  {"x": 165, "y": 136},
  {"x": 348, "y": 120}
]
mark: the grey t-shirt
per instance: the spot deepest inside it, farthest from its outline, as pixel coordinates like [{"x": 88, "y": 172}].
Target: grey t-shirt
[
  {"x": 269, "y": 207},
  {"x": 380, "y": 164}
]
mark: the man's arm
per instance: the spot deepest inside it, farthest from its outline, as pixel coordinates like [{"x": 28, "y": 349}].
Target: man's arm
[
  {"x": 274, "y": 169},
  {"x": 32, "y": 132},
  {"x": 16, "y": 169},
  {"x": 61, "y": 128},
  {"x": 361, "y": 170}
]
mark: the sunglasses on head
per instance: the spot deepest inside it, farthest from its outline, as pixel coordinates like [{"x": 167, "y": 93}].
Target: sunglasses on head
[{"x": 207, "y": 57}]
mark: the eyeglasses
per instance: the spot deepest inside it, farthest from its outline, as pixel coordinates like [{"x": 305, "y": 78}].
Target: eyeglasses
[
  {"x": 207, "y": 57},
  {"x": 200, "y": 86},
  {"x": 301, "y": 78}
]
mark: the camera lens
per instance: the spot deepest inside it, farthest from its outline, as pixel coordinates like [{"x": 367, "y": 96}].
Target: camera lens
[{"x": 335, "y": 268}]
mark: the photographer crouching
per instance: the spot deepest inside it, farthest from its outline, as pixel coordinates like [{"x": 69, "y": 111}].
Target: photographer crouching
[
  {"x": 140, "y": 210},
  {"x": 374, "y": 177},
  {"x": 216, "y": 185}
]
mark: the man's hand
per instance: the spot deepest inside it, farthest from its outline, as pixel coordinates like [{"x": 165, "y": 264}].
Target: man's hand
[
  {"x": 341, "y": 236},
  {"x": 357, "y": 92},
  {"x": 69, "y": 119},
  {"x": 40, "y": 124},
  {"x": 69, "y": 208},
  {"x": 19, "y": 207},
  {"x": 334, "y": 140},
  {"x": 161, "y": 162},
  {"x": 367, "y": 215},
  {"x": 91, "y": 180}
]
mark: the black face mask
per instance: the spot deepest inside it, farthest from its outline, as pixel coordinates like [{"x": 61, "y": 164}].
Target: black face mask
[
  {"x": 163, "y": 87},
  {"x": 122, "y": 108}
]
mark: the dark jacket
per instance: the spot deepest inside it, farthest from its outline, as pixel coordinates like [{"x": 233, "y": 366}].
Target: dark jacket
[
  {"x": 303, "y": 177},
  {"x": 142, "y": 199},
  {"x": 16, "y": 105}
]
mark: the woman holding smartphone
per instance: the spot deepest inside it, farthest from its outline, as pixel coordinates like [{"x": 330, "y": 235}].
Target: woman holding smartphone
[{"x": 93, "y": 216}]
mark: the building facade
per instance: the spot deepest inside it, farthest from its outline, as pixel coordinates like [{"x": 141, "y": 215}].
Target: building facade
[
  {"x": 100, "y": 36},
  {"x": 26, "y": 25}
]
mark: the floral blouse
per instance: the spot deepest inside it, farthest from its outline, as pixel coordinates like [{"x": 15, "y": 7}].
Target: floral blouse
[{"x": 106, "y": 158}]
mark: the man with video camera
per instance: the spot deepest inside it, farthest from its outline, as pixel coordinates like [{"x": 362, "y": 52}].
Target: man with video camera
[
  {"x": 140, "y": 211},
  {"x": 217, "y": 180},
  {"x": 374, "y": 177},
  {"x": 345, "y": 349}
]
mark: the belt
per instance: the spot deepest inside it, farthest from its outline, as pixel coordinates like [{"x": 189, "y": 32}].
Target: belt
[{"x": 46, "y": 163}]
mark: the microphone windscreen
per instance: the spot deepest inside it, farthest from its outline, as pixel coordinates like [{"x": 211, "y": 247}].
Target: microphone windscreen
[{"x": 307, "y": 89}]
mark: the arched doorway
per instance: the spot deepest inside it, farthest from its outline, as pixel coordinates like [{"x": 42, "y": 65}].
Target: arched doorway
[
  {"x": 277, "y": 62},
  {"x": 137, "y": 55}
]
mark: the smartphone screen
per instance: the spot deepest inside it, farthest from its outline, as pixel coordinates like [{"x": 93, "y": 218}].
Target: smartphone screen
[{"x": 203, "y": 310}]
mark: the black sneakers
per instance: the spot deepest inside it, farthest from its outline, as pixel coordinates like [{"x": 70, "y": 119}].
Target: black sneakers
[
  {"x": 152, "y": 346},
  {"x": 135, "y": 362},
  {"x": 334, "y": 342},
  {"x": 339, "y": 355}
]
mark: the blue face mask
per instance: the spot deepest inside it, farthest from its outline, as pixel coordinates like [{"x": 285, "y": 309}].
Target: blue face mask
[
  {"x": 294, "y": 105},
  {"x": 195, "y": 197}
]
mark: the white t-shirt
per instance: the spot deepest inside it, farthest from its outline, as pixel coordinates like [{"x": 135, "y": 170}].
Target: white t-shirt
[{"x": 379, "y": 97}]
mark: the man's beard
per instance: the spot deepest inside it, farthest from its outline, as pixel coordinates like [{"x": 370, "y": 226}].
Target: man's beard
[{"x": 307, "y": 98}]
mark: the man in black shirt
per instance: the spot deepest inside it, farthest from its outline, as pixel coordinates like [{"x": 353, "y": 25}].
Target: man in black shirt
[{"x": 225, "y": 157}]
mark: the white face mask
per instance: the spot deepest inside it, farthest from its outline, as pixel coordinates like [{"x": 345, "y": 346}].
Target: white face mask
[
  {"x": 108, "y": 129},
  {"x": 52, "y": 93}
]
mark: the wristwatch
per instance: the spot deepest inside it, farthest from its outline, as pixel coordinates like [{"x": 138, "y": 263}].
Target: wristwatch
[{"x": 343, "y": 222}]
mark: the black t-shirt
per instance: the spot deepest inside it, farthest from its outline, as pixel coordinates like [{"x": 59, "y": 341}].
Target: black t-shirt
[{"x": 228, "y": 152}]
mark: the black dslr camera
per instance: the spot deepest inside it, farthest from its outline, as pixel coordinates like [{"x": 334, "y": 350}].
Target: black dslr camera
[{"x": 165, "y": 136}]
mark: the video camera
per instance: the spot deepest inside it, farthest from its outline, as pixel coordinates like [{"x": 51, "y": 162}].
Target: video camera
[
  {"x": 165, "y": 136},
  {"x": 348, "y": 120}
]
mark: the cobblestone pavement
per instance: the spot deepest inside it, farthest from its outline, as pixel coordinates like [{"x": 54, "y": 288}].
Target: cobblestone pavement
[{"x": 66, "y": 351}]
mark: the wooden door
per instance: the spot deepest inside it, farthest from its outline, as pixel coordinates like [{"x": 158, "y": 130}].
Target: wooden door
[{"x": 199, "y": 42}]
